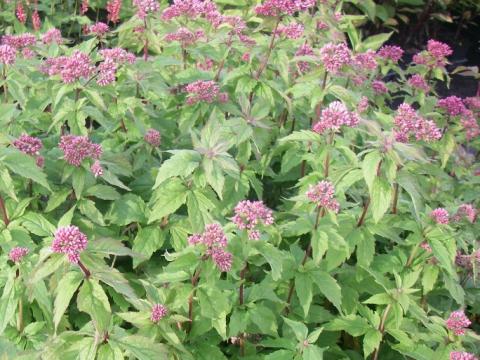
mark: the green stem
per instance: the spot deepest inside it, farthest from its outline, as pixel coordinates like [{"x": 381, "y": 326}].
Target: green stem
[
  {"x": 381, "y": 328},
  {"x": 6, "y": 220},
  {"x": 194, "y": 282}
]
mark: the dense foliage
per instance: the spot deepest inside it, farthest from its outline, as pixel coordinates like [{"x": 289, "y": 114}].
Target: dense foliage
[{"x": 231, "y": 179}]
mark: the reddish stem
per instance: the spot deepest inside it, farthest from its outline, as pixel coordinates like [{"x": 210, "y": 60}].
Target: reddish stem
[
  {"x": 6, "y": 220},
  {"x": 263, "y": 65},
  {"x": 86, "y": 272},
  {"x": 194, "y": 283}
]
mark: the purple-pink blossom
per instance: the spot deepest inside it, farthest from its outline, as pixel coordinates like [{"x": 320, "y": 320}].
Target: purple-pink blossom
[
  {"x": 283, "y": 7},
  {"x": 407, "y": 122},
  {"x": 70, "y": 241},
  {"x": 78, "y": 148},
  {"x": 118, "y": 55},
  {"x": 215, "y": 242},
  {"x": 36, "y": 21},
  {"x": 99, "y": 28},
  {"x": 379, "y": 87},
  {"x": 250, "y": 214},
  {"x": 467, "y": 211},
  {"x": 185, "y": 37},
  {"x": 7, "y": 54},
  {"x": 28, "y": 144},
  {"x": 473, "y": 103},
  {"x": 106, "y": 72},
  {"x": 17, "y": 253},
  {"x": 440, "y": 216},
  {"x": 20, "y": 12},
  {"x": 153, "y": 137},
  {"x": 438, "y": 49},
  {"x": 19, "y": 41},
  {"x": 84, "y": 6},
  {"x": 462, "y": 355},
  {"x": 70, "y": 68},
  {"x": 159, "y": 311},
  {"x": 470, "y": 124},
  {"x": 334, "y": 116},
  {"x": 323, "y": 195},
  {"x": 390, "y": 52},
  {"x": 202, "y": 91},
  {"x": 335, "y": 56},
  {"x": 291, "y": 31},
  {"x": 304, "y": 50},
  {"x": 418, "y": 82},
  {"x": 458, "y": 322},
  {"x": 453, "y": 105},
  {"x": 144, "y": 7},
  {"x": 52, "y": 36},
  {"x": 365, "y": 61},
  {"x": 96, "y": 169},
  {"x": 113, "y": 9},
  {"x": 363, "y": 104}
]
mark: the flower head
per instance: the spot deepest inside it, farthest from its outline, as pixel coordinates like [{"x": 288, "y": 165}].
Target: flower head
[
  {"x": 153, "y": 137},
  {"x": 304, "y": 50},
  {"x": 99, "y": 29},
  {"x": 20, "y": 12},
  {"x": 281, "y": 7},
  {"x": 440, "y": 216},
  {"x": 335, "y": 56},
  {"x": 184, "y": 36},
  {"x": 52, "y": 36},
  {"x": 201, "y": 90},
  {"x": 438, "y": 49},
  {"x": 70, "y": 68},
  {"x": 249, "y": 214},
  {"x": 7, "y": 54},
  {"x": 334, "y": 116},
  {"x": 365, "y": 61},
  {"x": 159, "y": 311},
  {"x": 322, "y": 194},
  {"x": 458, "y": 322},
  {"x": 467, "y": 211},
  {"x": 473, "y": 103},
  {"x": 107, "y": 71},
  {"x": 363, "y": 104},
  {"x": 470, "y": 124},
  {"x": 392, "y": 53},
  {"x": 113, "y": 9},
  {"x": 144, "y": 7},
  {"x": 462, "y": 355},
  {"x": 36, "y": 22},
  {"x": 418, "y": 82},
  {"x": 96, "y": 169},
  {"x": 215, "y": 242},
  {"x": 291, "y": 31},
  {"x": 407, "y": 122},
  {"x": 379, "y": 87},
  {"x": 70, "y": 241},
  {"x": 78, "y": 148},
  {"x": 118, "y": 55},
  {"x": 17, "y": 253},
  {"x": 28, "y": 144},
  {"x": 453, "y": 105},
  {"x": 84, "y": 6}
]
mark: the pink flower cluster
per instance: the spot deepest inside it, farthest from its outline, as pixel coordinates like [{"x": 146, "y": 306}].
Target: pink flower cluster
[
  {"x": 322, "y": 194},
  {"x": 28, "y": 144},
  {"x": 153, "y": 137},
  {"x": 418, "y": 82},
  {"x": 283, "y": 7},
  {"x": 335, "y": 56},
  {"x": 119, "y": 55},
  {"x": 467, "y": 261},
  {"x": 291, "y": 31},
  {"x": 17, "y": 253},
  {"x": 159, "y": 311},
  {"x": 201, "y": 90},
  {"x": 462, "y": 355},
  {"x": 84, "y": 6},
  {"x": 113, "y": 9},
  {"x": 392, "y": 53},
  {"x": 363, "y": 105},
  {"x": 185, "y": 37},
  {"x": 36, "y": 22},
  {"x": 144, "y": 7},
  {"x": 304, "y": 50},
  {"x": 70, "y": 68},
  {"x": 192, "y": 9},
  {"x": 99, "y": 29},
  {"x": 473, "y": 103},
  {"x": 467, "y": 211},
  {"x": 19, "y": 41},
  {"x": 20, "y": 12},
  {"x": 334, "y": 116},
  {"x": 434, "y": 56},
  {"x": 249, "y": 214},
  {"x": 107, "y": 70},
  {"x": 52, "y": 36},
  {"x": 78, "y": 148},
  {"x": 379, "y": 87},
  {"x": 408, "y": 122},
  {"x": 7, "y": 54},
  {"x": 440, "y": 216},
  {"x": 70, "y": 241},
  {"x": 458, "y": 322},
  {"x": 96, "y": 169},
  {"x": 453, "y": 105},
  {"x": 215, "y": 242},
  {"x": 365, "y": 61}
]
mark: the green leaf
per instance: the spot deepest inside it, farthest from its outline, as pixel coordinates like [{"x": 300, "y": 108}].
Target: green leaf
[
  {"x": 37, "y": 224},
  {"x": 319, "y": 245},
  {"x": 430, "y": 275},
  {"x": 148, "y": 240},
  {"x": 182, "y": 163},
  {"x": 57, "y": 198},
  {"x": 141, "y": 347},
  {"x": 168, "y": 198},
  {"x": 93, "y": 300},
  {"x": 374, "y": 42},
  {"x": 103, "y": 192},
  {"x": 78, "y": 181},
  {"x": 381, "y": 198},
  {"x": 274, "y": 258},
  {"x": 352, "y": 324},
  {"x": 408, "y": 182},
  {"x": 8, "y": 302},
  {"x": 264, "y": 319},
  {"x": 303, "y": 288},
  {"x": 312, "y": 352},
  {"x": 369, "y": 167},
  {"x": 329, "y": 288},
  {"x": 23, "y": 165},
  {"x": 67, "y": 286},
  {"x": 299, "y": 329},
  {"x": 6, "y": 184},
  {"x": 371, "y": 341},
  {"x": 127, "y": 209},
  {"x": 88, "y": 208}
]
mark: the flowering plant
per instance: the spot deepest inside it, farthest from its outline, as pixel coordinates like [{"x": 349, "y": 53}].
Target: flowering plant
[{"x": 222, "y": 179}]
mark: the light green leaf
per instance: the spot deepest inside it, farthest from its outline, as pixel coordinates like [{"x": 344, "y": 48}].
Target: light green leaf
[
  {"x": 168, "y": 198},
  {"x": 64, "y": 292},
  {"x": 329, "y": 288},
  {"x": 182, "y": 163},
  {"x": 93, "y": 300},
  {"x": 381, "y": 194}
]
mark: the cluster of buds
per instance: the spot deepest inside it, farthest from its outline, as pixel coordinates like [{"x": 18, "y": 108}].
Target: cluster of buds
[
  {"x": 249, "y": 215},
  {"x": 334, "y": 116},
  {"x": 78, "y": 148},
  {"x": 322, "y": 195},
  {"x": 31, "y": 146},
  {"x": 215, "y": 242},
  {"x": 407, "y": 122},
  {"x": 435, "y": 55},
  {"x": 458, "y": 322},
  {"x": 70, "y": 241}
]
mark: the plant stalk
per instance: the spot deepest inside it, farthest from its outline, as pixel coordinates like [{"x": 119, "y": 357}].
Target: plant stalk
[
  {"x": 194, "y": 282},
  {"x": 6, "y": 220},
  {"x": 85, "y": 271},
  {"x": 381, "y": 328}
]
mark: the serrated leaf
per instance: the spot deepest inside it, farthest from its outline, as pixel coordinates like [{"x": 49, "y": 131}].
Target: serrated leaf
[
  {"x": 182, "y": 163},
  {"x": 67, "y": 286}
]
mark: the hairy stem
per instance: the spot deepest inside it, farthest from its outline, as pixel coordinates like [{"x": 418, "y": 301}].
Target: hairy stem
[
  {"x": 6, "y": 220},
  {"x": 395, "y": 198},
  {"x": 381, "y": 328},
  {"x": 264, "y": 63},
  {"x": 85, "y": 271},
  {"x": 194, "y": 282}
]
